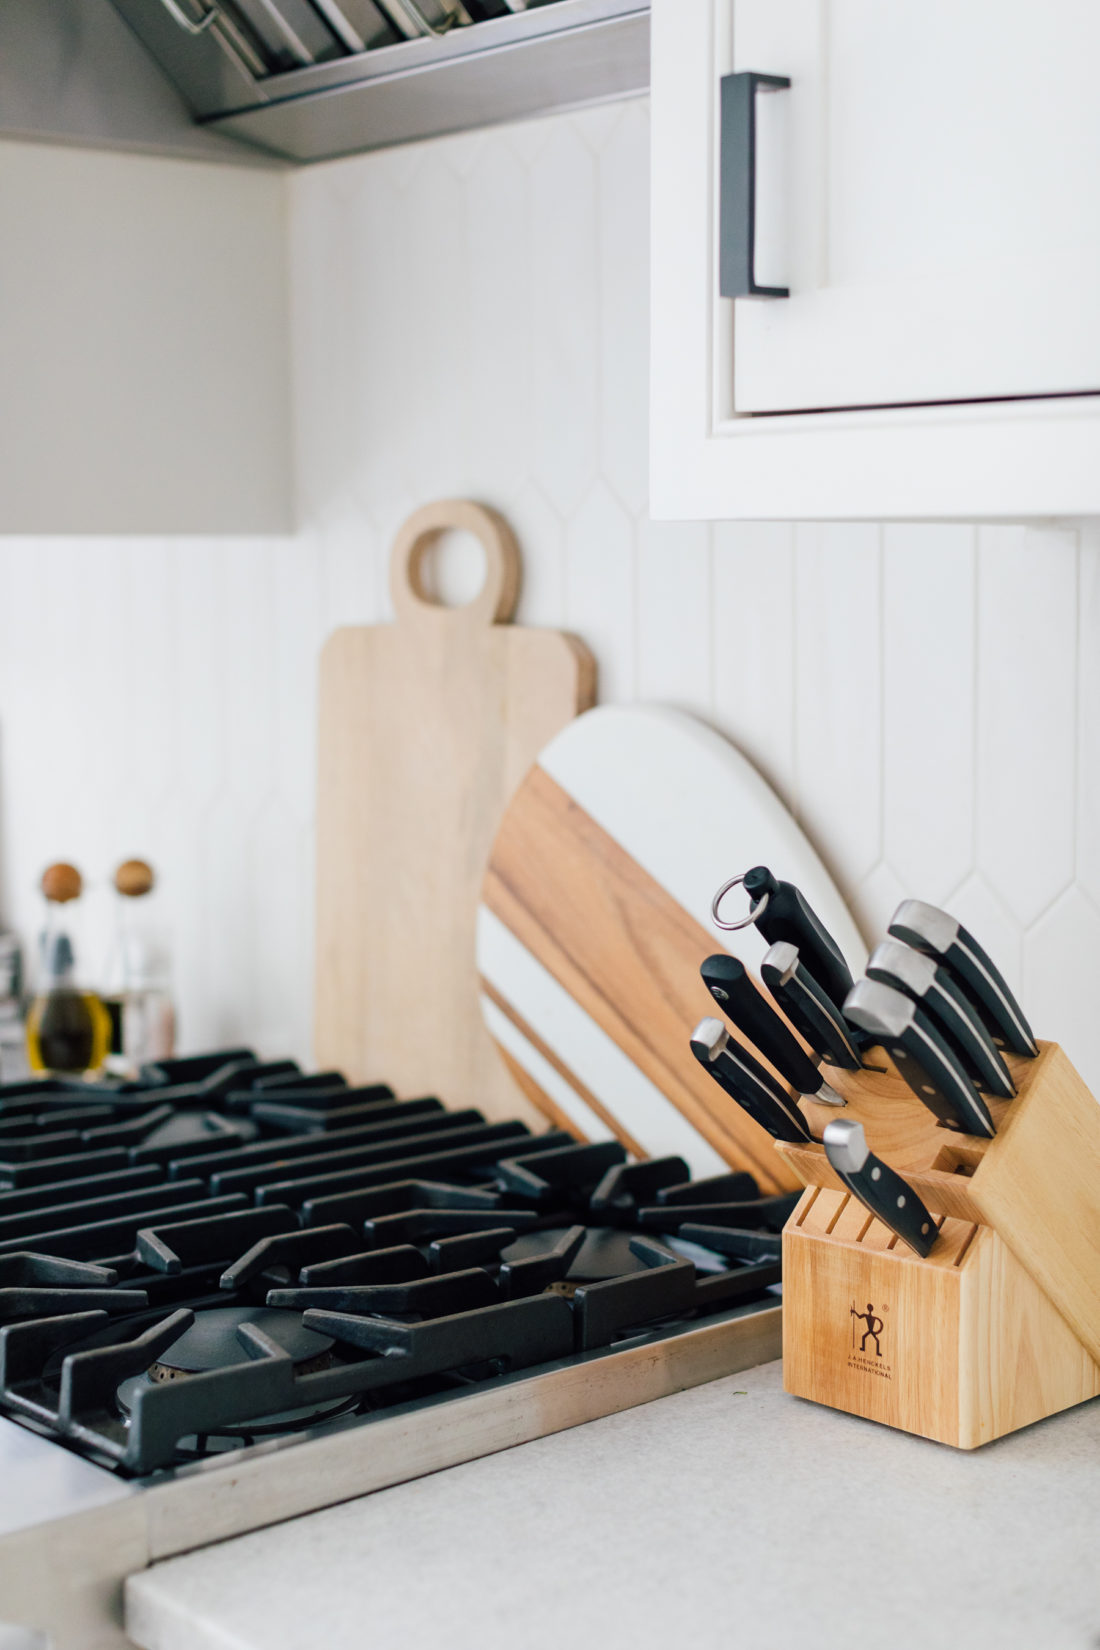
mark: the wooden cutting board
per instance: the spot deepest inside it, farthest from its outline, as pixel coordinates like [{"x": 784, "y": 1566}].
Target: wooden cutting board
[
  {"x": 426, "y": 727},
  {"x": 595, "y": 916}
]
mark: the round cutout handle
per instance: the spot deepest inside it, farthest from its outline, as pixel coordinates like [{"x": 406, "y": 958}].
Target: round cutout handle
[{"x": 494, "y": 602}]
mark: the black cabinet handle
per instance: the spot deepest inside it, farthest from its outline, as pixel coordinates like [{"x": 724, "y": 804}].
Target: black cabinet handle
[{"x": 737, "y": 205}]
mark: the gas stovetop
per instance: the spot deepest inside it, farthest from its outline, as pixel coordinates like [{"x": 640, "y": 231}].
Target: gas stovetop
[{"x": 230, "y": 1251}]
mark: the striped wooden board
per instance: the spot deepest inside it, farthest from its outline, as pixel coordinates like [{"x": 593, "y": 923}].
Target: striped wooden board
[{"x": 595, "y": 916}]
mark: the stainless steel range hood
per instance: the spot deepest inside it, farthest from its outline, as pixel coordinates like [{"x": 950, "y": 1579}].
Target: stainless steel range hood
[{"x": 309, "y": 80}]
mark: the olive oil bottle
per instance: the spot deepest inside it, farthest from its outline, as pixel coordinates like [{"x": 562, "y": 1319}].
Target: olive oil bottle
[{"x": 68, "y": 1028}]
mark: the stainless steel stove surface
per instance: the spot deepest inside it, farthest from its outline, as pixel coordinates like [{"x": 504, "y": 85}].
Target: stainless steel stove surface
[{"x": 230, "y": 1252}]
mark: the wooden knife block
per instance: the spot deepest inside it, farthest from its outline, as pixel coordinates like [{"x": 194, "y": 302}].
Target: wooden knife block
[{"x": 1000, "y": 1325}]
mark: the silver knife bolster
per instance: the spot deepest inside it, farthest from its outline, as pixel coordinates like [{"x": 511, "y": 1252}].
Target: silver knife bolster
[{"x": 846, "y": 1146}]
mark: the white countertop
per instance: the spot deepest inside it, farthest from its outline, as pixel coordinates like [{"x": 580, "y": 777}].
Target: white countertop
[
  {"x": 42, "y": 1483},
  {"x": 727, "y": 1516}
]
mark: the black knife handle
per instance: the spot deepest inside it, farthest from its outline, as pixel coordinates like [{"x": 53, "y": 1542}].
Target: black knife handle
[
  {"x": 929, "y": 929},
  {"x": 934, "y": 1082},
  {"x": 745, "y": 1080},
  {"x": 756, "y": 1088},
  {"x": 878, "y": 1187},
  {"x": 950, "y": 1006},
  {"x": 922, "y": 1057},
  {"x": 934, "y": 990},
  {"x": 785, "y": 914},
  {"x": 732, "y": 987},
  {"x": 807, "y": 1007}
]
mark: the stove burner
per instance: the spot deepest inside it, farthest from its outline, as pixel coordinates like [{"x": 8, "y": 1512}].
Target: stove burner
[{"x": 212, "y": 1342}]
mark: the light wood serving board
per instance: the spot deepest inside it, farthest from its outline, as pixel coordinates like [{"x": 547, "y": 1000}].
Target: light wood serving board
[
  {"x": 595, "y": 916},
  {"x": 426, "y": 727}
]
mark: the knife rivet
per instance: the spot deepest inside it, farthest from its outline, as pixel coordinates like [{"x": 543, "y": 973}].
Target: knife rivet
[
  {"x": 924, "y": 1229},
  {"x": 926, "y": 1088},
  {"x": 719, "y": 995},
  {"x": 901, "y": 1202},
  {"x": 876, "y": 1174}
]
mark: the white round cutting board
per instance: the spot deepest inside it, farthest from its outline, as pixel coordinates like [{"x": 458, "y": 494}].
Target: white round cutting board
[{"x": 595, "y": 916}]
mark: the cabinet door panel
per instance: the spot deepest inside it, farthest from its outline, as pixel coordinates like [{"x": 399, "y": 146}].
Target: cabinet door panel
[{"x": 935, "y": 203}]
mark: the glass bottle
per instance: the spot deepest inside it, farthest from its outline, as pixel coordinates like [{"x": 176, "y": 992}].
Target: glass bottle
[
  {"x": 67, "y": 1025},
  {"x": 13, "y": 1035},
  {"x": 139, "y": 1001}
]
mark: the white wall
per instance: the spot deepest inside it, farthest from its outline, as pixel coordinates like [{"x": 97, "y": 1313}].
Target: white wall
[
  {"x": 143, "y": 344},
  {"x": 470, "y": 317}
]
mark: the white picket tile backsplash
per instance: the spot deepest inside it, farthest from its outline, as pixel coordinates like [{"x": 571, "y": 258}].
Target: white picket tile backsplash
[
  {"x": 928, "y": 706},
  {"x": 838, "y": 694},
  {"x": 1027, "y": 693},
  {"x": 470, "y": 316},
  {"x": 752, "y": 646}
]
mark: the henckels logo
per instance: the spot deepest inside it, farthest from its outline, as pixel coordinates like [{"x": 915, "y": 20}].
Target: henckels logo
[
  {"x": 871, "y": 1333},
  {"x": 868, "y": 1329}
]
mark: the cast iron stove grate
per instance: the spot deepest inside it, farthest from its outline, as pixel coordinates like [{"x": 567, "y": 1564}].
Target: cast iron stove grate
[{"x": 230, "y": 1251}]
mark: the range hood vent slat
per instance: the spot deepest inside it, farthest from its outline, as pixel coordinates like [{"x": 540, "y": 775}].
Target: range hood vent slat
[{"x": 310, "y": 80}]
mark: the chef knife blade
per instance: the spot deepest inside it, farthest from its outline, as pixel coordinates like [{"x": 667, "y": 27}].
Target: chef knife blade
[
  {"x": 807, "y": 1006},
  {"x": 927, "y": 928},
  {"x": 877, "y": 1186},
  {"x": 746, "y": 1081},
  {"x": 731, "y": 985},
  {"x": 929, "y": 1067},
  {"x": 781, "y": 912},
  {"x": 931, "y": 986}
]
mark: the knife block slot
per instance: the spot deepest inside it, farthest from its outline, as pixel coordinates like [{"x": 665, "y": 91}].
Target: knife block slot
[
  {"x": 1000, "y": 1325},
  {"x": 962, "y": 1160}
]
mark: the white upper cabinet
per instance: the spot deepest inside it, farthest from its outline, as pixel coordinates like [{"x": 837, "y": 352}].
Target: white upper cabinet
[{"x": 927, "y": 191}]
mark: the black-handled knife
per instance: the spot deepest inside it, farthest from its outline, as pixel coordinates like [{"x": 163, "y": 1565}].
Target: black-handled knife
[
  {"x": 781, "y": 912},
  {"x": 731, "y": 985},
  {"x": 932, "y": 988},
  {"x": 931, "y": 1069},
  {"x": 807, "y": 1007},
  {"x": 878, "y": 1187},
  {"x": 927, "y": 928},
  {"x": 746, "y": 1081}
]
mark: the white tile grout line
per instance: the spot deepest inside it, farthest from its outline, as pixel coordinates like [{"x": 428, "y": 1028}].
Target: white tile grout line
[
  {"x": 976, "y": 691},
  {"x": 1077, "y": 720},
  {"x": 635, "y": 602},
  {"x": 796, "y": 786},
  {"x": 710, "y": 626},
  {"x": 880, "y": 551}
]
